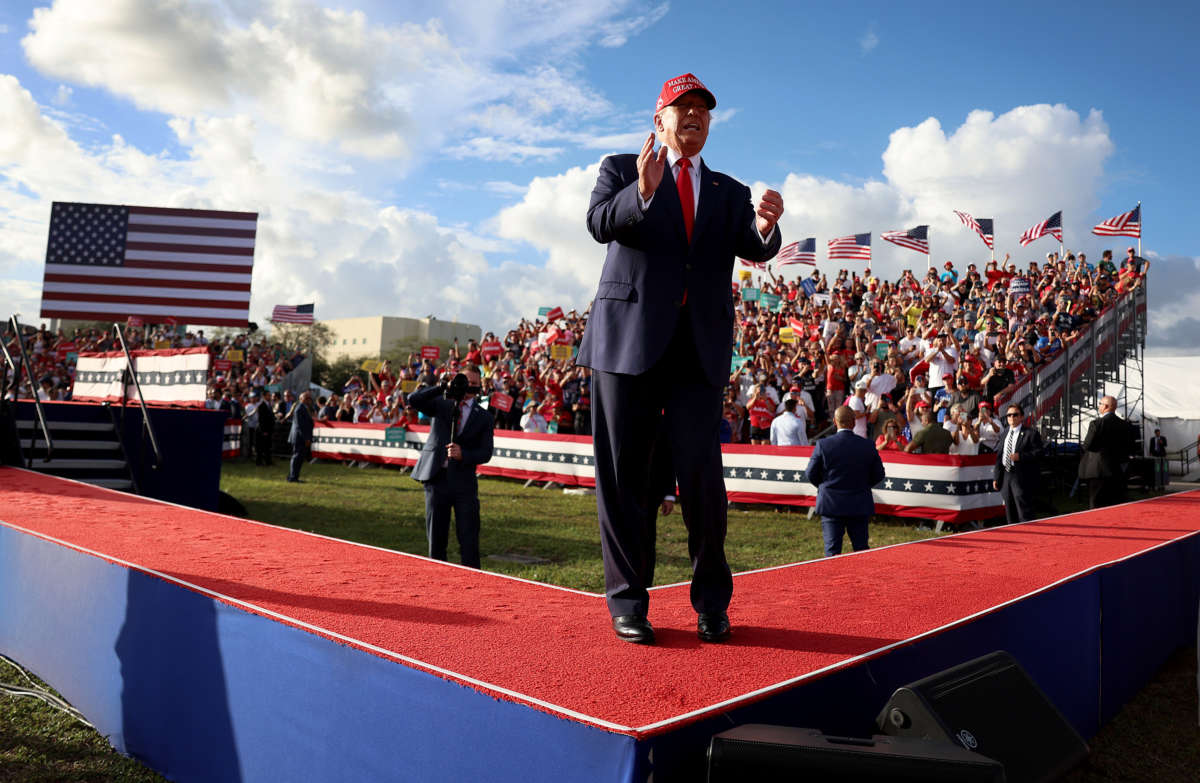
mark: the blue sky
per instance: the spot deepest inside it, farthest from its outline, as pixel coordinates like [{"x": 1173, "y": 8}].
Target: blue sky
[{"x": 438, "y": 156}]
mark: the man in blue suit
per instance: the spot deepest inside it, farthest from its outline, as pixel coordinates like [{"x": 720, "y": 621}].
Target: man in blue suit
[
  {"x": 446, "y": 466},
  {"x": 659, "y": 343},
  {"x": 300, "y": 435},
  {"x": 843, "y": 468}
]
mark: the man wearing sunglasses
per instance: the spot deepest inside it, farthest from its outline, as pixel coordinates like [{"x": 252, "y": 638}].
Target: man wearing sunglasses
[{"x": 1017, "y": 470}]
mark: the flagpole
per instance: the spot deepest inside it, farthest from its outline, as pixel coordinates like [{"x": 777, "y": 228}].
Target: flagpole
[{"x": 993, "y": 247}]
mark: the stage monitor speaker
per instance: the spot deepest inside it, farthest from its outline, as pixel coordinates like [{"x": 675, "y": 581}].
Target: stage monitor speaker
[
  {"x": 766, "y": 753},
  {"x": 991, "y": 706}
]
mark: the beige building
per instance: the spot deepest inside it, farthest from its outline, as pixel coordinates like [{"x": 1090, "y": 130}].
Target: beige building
[{"x": 370, "y": 337}]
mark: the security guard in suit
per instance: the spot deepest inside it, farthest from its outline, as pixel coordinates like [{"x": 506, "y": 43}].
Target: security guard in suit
[{"x": 460, "y": 438}]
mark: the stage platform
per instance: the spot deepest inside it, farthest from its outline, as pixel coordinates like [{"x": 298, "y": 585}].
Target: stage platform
[{"x": 217, "y": 648}]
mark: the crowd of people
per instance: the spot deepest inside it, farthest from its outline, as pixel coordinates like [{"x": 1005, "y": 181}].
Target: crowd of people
[
  {"x": 903, "y": 355},
  {"x": 242, "y": 363}
]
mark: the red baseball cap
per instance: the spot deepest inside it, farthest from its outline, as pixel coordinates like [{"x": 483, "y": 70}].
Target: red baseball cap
[{"x": 674, "y": 89}]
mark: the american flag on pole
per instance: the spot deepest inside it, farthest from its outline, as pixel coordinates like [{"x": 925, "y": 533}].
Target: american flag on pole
[
  {"x": 292, "y": 314},
  {"x": 1051, "y": 225},
  {"x": 856, "y": 247},
  {"x": 914, "y": 239},
  {"x": 1127, "y": 224},
  {"x": 802, "y": 252},
  {"x": 753, "y": 264},
  {"x": 108, "y": 262},
  {"x": 981, "y": 226}
]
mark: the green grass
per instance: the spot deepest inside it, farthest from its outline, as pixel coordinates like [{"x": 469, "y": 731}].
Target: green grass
[
  {"x": 1153, "y": 738},
  {"x": 41, "y": 744},
  {"x": 385, "y": 508}
]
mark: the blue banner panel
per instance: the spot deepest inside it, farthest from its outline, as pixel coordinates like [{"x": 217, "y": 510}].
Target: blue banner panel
[
  {"x": 203, "y": 691},
  {"x": 1150, "y": 605}
]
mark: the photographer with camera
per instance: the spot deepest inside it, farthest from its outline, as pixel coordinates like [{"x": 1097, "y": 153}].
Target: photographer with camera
[{"x": 460, "y": 438}]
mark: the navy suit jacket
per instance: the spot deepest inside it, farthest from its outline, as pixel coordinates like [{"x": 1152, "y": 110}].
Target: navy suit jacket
[
  {"x": 1031, "y": 447},
  {"x": 650, "y": 264},
  {"x": 302, "y": 425},
  {"x": 843, "y": 468},
  {"x": 475, "y": 440}
]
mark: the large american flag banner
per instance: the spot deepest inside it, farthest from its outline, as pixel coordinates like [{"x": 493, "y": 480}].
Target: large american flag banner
[
  {"x": 1051, "y": 225},
  {"x": 914, "y": 239},
  {"x": 856, "y": 247},
  {"x": 802, "y": 252},
  {"x": 1127, "y": 224},
  {"x": 981, "y": 226},
  {"x": 109, "y": 262}
]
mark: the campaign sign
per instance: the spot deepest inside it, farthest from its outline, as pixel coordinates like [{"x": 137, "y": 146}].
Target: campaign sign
[
  {"x": 559, "y": 351},
  {"x": 736, "y": 362},
  {"x": 491, "y": 350},
  {"x": 500, "y": 401},
  {"x": 64, "y": 349},
  {"x": 395, "y": 434},
  {"x": 431, "y": 352},
  {"x": 408, "y": 386},
  {"x": 371, "y": 365},
  {"x": 555, "y": 314},
  {"x": 222, "y": 365},
  {"x": 543, "y": 311},
  {"x": 787, "y": 335},
  {"x": 749, "y": 294},
  {"x": 235, "y": 355},
  {"x": 770, "y": 301}
]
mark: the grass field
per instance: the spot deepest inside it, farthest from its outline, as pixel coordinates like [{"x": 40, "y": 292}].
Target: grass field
[
  {"x": 1155, "y": 738},
  {"x": 382, "y": 507}
]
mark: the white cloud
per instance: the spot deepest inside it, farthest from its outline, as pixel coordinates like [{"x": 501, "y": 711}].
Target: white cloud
[
  {"x": 62, "y": 96},
  {"x": 486, "y": 79},
  {"x": 868, "y": 41},
  {"x": 619, "y": 32},
  {"x": 20, "y": 297}
]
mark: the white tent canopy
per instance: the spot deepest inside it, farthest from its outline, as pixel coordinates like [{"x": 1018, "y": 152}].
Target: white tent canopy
[{"x": 1172, "y": 397}]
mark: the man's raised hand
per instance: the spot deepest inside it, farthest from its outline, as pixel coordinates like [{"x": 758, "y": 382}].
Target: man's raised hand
[
  {"x": 770, "y": 208},
  {"x": 650, "y": 165}
]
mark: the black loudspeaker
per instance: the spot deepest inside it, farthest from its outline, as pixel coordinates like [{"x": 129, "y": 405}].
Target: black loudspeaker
[
  {"x": 765, "y": 753},
  {"x": 988, "y": 705}
]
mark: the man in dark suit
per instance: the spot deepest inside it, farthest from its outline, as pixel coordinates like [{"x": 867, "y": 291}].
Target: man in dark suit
[
  {"x": 265, "y": 432},
  {"x": 658, "y": 342},
  {"x": 300, "y": 435},
  {"x": 460, "y": 438},
  {"x": 1106, "y": 450},
  {"x": 1017, "y": 473},
  {"x": 843, "y": 468}
]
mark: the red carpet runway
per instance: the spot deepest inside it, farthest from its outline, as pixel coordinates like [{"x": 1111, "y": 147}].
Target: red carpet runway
[{"x": 551, "y": 647}]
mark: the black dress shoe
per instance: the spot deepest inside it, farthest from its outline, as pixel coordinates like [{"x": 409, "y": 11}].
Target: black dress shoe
[
  {"x": 713, "y": 627},
  {"x": 633, "y": 628}
]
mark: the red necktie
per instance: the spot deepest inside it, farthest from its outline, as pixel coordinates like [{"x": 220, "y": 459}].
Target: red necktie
[{"x": 684, "y": 184}]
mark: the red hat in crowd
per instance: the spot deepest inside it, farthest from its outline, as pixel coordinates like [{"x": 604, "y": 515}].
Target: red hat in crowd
[
  {"x": 674, "y": 89},
  {"x": 922, "y": 404},
  {"x": 795, "y": 390},
  {"x": 949, "y": 265},
  {"x": 948, "y": 376},
  {"x": 985, "y": 404}
]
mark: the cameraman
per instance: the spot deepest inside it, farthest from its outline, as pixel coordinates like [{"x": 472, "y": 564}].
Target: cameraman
[{"x": 460, "y": 437}]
